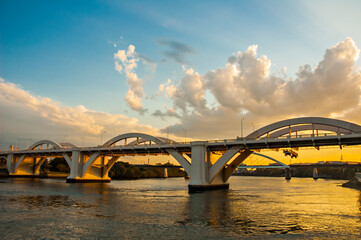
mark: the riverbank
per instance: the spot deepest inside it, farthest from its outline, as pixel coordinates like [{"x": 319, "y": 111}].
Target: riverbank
[{"x": 353, "y": 183}]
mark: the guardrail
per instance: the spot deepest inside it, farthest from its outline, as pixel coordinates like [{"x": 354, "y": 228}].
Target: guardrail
[{"x": 175, "y": 144}]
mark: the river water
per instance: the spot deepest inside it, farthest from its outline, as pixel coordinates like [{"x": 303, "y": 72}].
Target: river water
[{"x": 253, "y": 208}]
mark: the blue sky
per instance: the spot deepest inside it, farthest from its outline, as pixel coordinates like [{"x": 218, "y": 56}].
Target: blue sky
[{"x": 64, "y": 51}]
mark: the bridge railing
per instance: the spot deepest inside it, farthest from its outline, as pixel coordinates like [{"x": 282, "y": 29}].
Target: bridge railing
[
  {"x": 294, "y": 136},
  {"x": 221, "y": 140},
  {"x": 307, "y": 135}
]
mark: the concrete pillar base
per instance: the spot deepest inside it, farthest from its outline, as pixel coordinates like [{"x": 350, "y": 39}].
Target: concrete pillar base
[
  {"x": 208, "y": 187},
  {"x": 82, "y": 180}
]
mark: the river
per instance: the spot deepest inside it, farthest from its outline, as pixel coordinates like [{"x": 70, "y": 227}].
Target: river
[{"x": 253, "y": 208}]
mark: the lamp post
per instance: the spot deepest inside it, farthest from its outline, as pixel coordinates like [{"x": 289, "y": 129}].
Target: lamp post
[
  {"x": 242, "y": 118},
  {"x": 101, "y": 137},
  {"x": 252, "y": 126},
  {"x": 185, "y": 135},
  {"x": 168, "y": 133}
]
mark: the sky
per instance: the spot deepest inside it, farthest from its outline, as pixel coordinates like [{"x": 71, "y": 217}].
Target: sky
[{"x": 87, "y": 71}]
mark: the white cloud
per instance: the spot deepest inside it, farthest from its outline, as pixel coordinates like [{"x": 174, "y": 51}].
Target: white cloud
[
  {"x": 118, "y": 67},
  {"x": 133, "y": 100},
  {"x": 120, "y": 55},
  {"x": 128, "y": 63},
  {"x": 190, "y": 94},
  {"x": 245, "y": 85},
  {"x": 24, "y": 116}
]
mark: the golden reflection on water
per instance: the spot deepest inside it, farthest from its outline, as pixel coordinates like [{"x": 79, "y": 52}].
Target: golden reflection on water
[
  {"x": 252, "y": 207},
  {"x": 230, "y": 213}
]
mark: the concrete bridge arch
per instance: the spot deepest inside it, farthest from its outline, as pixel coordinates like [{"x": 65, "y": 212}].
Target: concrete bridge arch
[
  {"x": 24, "y": 165},
  {"x": 141, "y": 138},
  {"x": 223, "y": 168},
  {"x": 88, "y": 163},
  {"x": 42, "y": 142},
  {"x": 288, "y": 126}
]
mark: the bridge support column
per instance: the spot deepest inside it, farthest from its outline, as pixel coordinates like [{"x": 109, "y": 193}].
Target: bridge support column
[
  {"x": 10, "y": 163},
  {"x": 201, "y": 163},
  {"x": 288, "y": 173},
  {"x": 85, "y": 168},
  {"x": 21, "y": 166},
  {"x": 165, "y": 175},
  {"x": 315, "y": 173}
]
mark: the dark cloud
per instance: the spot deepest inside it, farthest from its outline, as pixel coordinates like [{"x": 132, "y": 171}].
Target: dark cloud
[
  {"x": 176, "y": 50},
  {"x": 146, "y": 59},
  {"x": 168, "y": 113}
]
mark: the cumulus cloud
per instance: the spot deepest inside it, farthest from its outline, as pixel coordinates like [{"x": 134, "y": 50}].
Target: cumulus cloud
[
  {"x": 245, "y": 86},
  {"x": 126, "y": 61},
  {"x": 190, "y": 94},
  {"x": 177, "y": 51},
  {"x": 26, "y": 118}
]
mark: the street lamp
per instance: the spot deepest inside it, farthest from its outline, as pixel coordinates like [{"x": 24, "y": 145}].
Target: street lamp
[
  {"x": 185, "y": 135},
  {"x": 242, "y": 126},
  {"x": 101, "y": 137},
  {"x": 168, "y": 133},
  {"x": 252, "y": 126}
]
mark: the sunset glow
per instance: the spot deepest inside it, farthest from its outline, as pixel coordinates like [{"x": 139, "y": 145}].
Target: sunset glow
[{"x": 86, "y": 73}]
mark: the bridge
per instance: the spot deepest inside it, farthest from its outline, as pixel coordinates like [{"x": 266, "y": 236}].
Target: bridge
[{"x": 208, "y": 163}]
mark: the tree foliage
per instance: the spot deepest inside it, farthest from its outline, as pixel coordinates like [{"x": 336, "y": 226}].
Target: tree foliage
[{"x": 123, "y": 170}]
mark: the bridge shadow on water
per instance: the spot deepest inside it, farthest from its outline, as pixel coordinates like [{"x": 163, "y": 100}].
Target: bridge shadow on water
[{"x": 225, "y": 212}]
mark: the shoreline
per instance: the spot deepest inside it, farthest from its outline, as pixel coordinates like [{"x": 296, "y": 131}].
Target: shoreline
[{"x": 353, "y": 183}]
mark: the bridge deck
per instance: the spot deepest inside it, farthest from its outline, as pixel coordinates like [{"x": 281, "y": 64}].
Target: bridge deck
[{"x": 218, "y": 145}]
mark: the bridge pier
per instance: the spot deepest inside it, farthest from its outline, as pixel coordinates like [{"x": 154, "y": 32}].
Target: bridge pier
[
  {"x": 10, "y": 163},
  {"x": 21, "y": 166},
  {"x": 89, "y": 168},
  {"x": 200, "y": 171},
  {"x": 288, "y": 174}
]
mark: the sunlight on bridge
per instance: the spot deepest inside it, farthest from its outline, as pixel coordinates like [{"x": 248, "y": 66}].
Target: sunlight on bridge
[{"x": 209, "y": 163}]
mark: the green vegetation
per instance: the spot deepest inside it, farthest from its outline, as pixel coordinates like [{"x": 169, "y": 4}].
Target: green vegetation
[
  {"x": 55, "y": 165},
  {"x": 307, "y": 171},
  {"x": 123, "y": 170},
  {"x": 120, "y": 170}
]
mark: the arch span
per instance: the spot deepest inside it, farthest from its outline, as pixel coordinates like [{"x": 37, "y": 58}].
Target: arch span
[
  {"x": 68, "y": 145},
  {"x": 144, "y": 137},
  {"x": 306, "y": 123},
  {"x": 39, "y": 143},
  {"x": 272, "y": 159}
]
